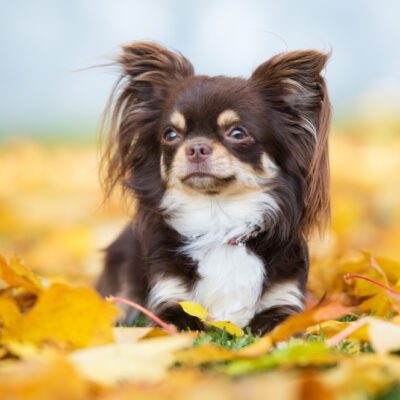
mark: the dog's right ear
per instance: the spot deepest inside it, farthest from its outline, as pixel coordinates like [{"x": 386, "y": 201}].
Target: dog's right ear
[
  {"x": 149, "y": 72},
  {"x": 152, "y": 69}
]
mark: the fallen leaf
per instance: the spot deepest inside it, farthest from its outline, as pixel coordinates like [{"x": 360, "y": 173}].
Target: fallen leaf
[
  {"x": 76, "y": 317},
  {"x": 130, "y": 334},
  {"x": 156, "y": 332},
  {"x": 204, "y": 354},
  {"x": 384, "y": 336},
  {"x": 9, "y": 312},
  {"x": 196, "y": 385},
  {"x": 197, "y": 310},
  {"x": 299, "y": 322},
  {"x": 229, "y": 327},
  {"x": 16, "y": 274},
  {"x": 209, "y": 353},
  {"x": 44, "y": 379},
  {"x": 333, "y": 327},
  {"x": 144, "y": 361},
  {"x": 364, "y": 376},
  {"x": 194, "y": 309},
  {"x": 293, "y": 354}
]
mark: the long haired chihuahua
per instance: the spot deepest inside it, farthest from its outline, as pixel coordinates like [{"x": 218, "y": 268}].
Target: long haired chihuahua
[{"x": 231, "y": 175}]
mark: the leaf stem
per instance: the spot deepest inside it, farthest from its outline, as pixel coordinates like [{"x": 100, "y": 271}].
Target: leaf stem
[
  {"x": 157, "y": 320},
  {"x": 382, "y": 285},
  {"x": 345, "y": 333}
]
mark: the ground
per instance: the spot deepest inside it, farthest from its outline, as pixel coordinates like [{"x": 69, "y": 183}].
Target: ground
[{"x": 55, "y": 329}]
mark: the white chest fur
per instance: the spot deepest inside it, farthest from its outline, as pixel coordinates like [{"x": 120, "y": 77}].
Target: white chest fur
[
  {"x": 231, "y": 277},
  {"x": 231, "y": 283}
]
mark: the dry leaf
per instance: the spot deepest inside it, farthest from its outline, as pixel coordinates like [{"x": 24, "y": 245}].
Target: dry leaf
[
  {"x": 194, "y": 309},
  {"x": 362, "y": 377},
  {"x": 9, "y": 312},
  {"x": 230, "y": 327},
  {"x": 195, "y": 385},
  {"x": 299, "y": 322},
  {"x": 292, "y": 354},
  {"x": 156, "y": 332},
  {"x": 197, "y": 310},
  {"x": 16, "y": 274},
  {"x": 42, "y": 379},
  {"x": 333, "y": 327},
  {"x": 144, "y": 361},
  {"x": 60, "y": 244},
  {"x": 130, "y": 334},
  {"x": 384, "y": 336},
  {"x": 204, "y": 354},
  {"x": 75, "y": 317}
]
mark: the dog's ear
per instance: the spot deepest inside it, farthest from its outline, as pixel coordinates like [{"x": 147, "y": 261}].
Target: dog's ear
[
  {"x": 293, "y": 86},
  {"x": 151, "y": 69},
  {"x": 149, "y": 73}
]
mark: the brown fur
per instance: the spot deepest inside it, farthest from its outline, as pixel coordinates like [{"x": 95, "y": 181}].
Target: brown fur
[
  {"x": 310, "y": 99},
  {"x": 148, "y": 72},
  {"x": 284, "y": 105}
]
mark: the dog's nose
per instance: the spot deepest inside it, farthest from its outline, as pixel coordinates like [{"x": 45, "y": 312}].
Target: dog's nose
[{"x": 198, "y": 152}]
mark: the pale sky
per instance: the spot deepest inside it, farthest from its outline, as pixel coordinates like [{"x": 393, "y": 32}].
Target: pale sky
[{"x": 43, "y": 42}]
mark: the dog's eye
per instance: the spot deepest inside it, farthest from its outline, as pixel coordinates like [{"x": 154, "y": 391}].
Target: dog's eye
[
  {"x": 170, "y": 136},
  {"x": 238, "y": 134}
]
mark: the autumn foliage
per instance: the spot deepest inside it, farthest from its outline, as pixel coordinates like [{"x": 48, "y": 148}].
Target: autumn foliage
[{"x": 58, "y": 337}]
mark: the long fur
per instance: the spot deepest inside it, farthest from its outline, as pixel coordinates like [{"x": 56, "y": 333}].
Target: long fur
[{"x": 179, "y": 245}]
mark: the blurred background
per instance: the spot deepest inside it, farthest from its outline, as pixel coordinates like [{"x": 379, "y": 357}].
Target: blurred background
[{"x": 51, "y": 210}]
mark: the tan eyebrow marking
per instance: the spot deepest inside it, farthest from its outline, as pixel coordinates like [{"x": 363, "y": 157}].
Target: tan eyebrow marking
[
  {"x": 227, "y": 117},
  {"x": 178, "y": 120}
]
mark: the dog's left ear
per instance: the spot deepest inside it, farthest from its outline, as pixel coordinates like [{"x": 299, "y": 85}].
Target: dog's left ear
[{"x": 292, "y": 85}]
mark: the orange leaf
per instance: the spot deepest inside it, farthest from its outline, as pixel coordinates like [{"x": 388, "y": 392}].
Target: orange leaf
[{"x": 300, "y": 322}]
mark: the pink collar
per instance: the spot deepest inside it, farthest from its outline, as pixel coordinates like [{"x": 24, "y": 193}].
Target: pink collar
[{"x": 242, "y": 240}]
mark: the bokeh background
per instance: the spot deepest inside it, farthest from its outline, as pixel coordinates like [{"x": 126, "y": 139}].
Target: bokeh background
[{"x": 51, "y": 210}]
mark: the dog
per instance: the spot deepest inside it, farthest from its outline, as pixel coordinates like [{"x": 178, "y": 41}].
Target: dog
[{"x": 230, "y": 177}]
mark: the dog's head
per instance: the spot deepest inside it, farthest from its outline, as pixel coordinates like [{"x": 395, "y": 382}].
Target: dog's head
[{"x": 220, "y": 136}]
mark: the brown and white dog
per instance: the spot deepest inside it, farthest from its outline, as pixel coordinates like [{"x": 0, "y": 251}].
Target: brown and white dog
[{"x": 230, "y": 175}]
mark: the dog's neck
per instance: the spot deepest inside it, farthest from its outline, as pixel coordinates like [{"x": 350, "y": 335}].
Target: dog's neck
[{"x": 206, "y": 220}]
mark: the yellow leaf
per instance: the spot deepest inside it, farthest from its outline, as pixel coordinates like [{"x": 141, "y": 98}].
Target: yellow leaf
[
  {"x": 17, "y": 274},
  {"x": 144, "y": 361},
  {"x": 230, "y": 327},
  {"x": 206, "y": 353},
  {"x": 154, "y": 332},
  {"x": 378, "y": 305},
  {"x": 333, "y": 327},
  {"x": 27, "y": 351},
  {"x": 76, "y": 317},
  {"x": 9, "y": 311},
  {"x": 384, "y": 336},
  {"x": 194, "y": 309}
]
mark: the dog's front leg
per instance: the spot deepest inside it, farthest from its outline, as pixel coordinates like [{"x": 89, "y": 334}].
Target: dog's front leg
[
  {"x": 268, "y": 319},
  {"x": 173, "y": 313},
  {"x": 163, "y": 301}
]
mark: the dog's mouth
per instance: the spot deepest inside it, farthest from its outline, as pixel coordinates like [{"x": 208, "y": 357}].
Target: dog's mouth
[
  {"x": 200, "y": 175},
  {"x": 205, "y": 181}
]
